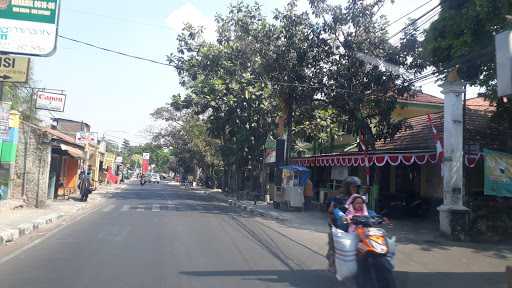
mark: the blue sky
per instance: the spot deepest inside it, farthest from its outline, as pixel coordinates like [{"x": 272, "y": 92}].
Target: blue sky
[{"x": 115, "y": 94}]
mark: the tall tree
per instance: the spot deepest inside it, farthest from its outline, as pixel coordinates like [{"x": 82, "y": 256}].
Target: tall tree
[
  {"x": 353, "y": 41},
  {"x": 224, "y": 86},
  {"x": 463, "y": 35}
]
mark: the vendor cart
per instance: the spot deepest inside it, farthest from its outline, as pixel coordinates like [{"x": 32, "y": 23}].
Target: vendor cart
[{"x": 291, "y": 192}]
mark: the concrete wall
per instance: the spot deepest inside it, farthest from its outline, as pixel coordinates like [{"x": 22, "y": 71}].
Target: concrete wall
[{"x": 35, "y": 170}]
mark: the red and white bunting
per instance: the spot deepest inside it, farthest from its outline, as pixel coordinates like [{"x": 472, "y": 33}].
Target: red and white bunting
[{"x": 379, "y": 160}]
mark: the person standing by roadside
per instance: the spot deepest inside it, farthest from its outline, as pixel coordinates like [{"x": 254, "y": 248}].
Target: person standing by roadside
[
  {"x": 84, "y": 185},
  {"x": 308, "y": 194}
]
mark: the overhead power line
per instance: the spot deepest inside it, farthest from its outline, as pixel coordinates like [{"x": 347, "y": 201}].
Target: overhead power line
[
  {"x": 115, "y": 51},
  {"x": 415, "y": 21},
  {"x": 409, "y": 13}
]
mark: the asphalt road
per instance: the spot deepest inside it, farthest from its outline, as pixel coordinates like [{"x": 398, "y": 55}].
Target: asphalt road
[{"x": 157, "y": 236}]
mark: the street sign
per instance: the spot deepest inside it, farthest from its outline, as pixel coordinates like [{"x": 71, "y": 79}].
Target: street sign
[
  {"x": 119, "y": 159},
  {"x": 13, "y": 69},
  {"x": 86, "y": 138},
  {"x": 145, "y": 156},
  {"x": 50, "y": 101},
  {"x": 29, "y": 27}
]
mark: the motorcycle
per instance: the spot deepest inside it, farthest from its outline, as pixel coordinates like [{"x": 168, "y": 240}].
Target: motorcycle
[
  {"x": 374, "y": 253},
  {"x": 399, "y": 206}
]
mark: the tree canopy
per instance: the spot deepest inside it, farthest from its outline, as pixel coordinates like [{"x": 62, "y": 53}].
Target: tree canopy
[{"x": 308, "y": 69}]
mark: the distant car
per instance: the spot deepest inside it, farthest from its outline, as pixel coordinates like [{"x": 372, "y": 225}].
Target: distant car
[{"x": 155, "y": 178}]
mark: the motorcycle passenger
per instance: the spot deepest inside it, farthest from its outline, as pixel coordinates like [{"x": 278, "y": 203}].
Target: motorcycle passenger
[
  {"x": 356, "y": 207},
  {"x": 351, "y": 185}
]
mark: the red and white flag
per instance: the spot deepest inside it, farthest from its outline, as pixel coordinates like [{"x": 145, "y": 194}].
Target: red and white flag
[{"x": 437, "y": 138}]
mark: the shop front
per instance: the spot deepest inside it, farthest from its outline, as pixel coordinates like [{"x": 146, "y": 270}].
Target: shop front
[{"x": 67, "y": 158}]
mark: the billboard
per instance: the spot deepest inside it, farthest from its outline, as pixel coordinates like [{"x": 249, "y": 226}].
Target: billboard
[
  {"x": 84, "y": 138},
  {"x": 503, "y": 44},
  {"x": 29, "y": 27},
  {"x": 14, "y": 69},
  {"x": 50, "y": 101},
  {"x": 497, "y": 173}
]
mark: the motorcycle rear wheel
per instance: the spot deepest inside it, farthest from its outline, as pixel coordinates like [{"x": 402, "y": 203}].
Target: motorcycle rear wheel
[{"x": 374, "y": 271}]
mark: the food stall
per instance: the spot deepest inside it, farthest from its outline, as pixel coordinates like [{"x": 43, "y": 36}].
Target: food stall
[{"x": 291, "y": 192}]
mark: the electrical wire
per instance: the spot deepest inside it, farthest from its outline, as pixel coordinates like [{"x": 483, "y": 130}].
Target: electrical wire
[
  {"x": 115, "y": 51},
  {"x": 414, "y": 21},
  {"x": 410, "y": 12}
]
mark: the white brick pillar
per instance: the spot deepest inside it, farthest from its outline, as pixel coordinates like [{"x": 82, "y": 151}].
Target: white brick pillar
[{"x": 453, "y": 210}]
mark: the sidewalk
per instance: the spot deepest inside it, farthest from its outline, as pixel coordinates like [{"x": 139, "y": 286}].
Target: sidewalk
[{"x": 17, "y": 220}]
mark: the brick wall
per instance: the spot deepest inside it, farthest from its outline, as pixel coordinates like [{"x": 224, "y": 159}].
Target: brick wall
[{"x": 37, "y": 165}]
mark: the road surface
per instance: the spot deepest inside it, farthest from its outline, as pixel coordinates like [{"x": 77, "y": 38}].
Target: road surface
[{"x": 159, "y": 235}]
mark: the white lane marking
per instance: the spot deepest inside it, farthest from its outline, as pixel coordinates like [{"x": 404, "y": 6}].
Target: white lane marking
[
  {"x": 155, "y": 208},
  {"x": 36, "y": 242},
  {"x": 125, "y": 208},
  {"x": 140, "y": 208},
  {"x": 109, "y": 207}
]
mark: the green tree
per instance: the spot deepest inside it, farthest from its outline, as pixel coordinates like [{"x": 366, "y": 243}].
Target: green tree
[
  {"x": 361, "y": 91},
  {"x": 158, "y": 156},
  {"x": 125, "y": 147},
  {"x": 463, "y": 36},
  {"x": 224, "y": 87},
  {"x": 190, "y": 145}
]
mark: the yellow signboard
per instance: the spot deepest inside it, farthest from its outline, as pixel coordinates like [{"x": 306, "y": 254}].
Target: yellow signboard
[{"x": 13, "y": 69}]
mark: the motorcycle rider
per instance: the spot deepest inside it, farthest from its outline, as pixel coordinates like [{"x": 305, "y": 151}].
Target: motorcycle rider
[{"x": 351, "y": 187}]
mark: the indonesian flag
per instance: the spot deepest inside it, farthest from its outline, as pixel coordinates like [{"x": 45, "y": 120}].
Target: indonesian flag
[{"x": 436, "y": 137}]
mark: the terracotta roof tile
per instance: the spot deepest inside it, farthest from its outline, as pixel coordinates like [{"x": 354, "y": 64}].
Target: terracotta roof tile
[
  {"x": 422, "y": 98},
  {"x": 419, "y": 135},
  {"x": 481, "y": 104}
]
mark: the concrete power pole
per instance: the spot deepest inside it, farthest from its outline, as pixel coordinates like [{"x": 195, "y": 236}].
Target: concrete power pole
[{"x": 453, "y": 215}]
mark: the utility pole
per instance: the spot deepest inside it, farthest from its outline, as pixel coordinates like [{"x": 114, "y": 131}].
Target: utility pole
[{"x": 1, "y": 91}]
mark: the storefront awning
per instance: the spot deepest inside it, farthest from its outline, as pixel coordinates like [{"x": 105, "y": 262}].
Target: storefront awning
[{"x": 73, "y": 151}]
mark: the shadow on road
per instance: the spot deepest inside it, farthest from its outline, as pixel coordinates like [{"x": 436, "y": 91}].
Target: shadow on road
[
  {"x": 320, "y": 278},
  {"x": 450, "y": 280},
  {"x": 295, "y": 278}
]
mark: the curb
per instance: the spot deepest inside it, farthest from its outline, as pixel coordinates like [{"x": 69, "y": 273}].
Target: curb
[
  {"x": 249, "y": 208},
  {"x": 11, "y": 235}
]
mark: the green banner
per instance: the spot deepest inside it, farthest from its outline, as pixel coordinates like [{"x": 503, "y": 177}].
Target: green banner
[
  {"x": 497, "y": 173},
  {"x": 43, "y": 11}
]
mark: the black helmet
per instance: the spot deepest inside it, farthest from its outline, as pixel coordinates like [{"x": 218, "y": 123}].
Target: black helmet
[{"x": 351, "y": 181}]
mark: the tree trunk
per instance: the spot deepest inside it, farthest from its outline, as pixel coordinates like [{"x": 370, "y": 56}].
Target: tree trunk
[{"x": 289, "y": 126}]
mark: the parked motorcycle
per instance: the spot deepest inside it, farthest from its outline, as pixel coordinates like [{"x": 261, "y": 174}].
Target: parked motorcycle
[
  {"x": 398, "y": 206},
  {"x": 374, "y": 266}
]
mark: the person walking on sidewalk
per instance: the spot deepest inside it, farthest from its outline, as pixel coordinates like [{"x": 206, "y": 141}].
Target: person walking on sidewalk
[
  {"x": 84, "y": 185},
  {"x": 351, "y": 185}
]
